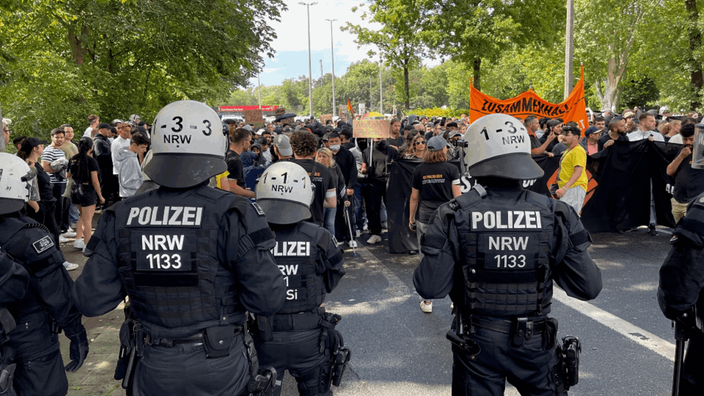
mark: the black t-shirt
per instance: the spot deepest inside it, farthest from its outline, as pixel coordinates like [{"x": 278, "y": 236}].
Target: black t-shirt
[
  {"x": 605, "y": 137},
  {"x": 534, "y": 142},
  {"x": 234, "y": 167},
  {"x": 75, "y": 171},
  {"x": 688, "y": 182},
  {"x": 398, "y": 142},
  {"x": 434, "y": 182},
  {"x": 323, "y": 181},
  {"x": 44, "y": 183}
]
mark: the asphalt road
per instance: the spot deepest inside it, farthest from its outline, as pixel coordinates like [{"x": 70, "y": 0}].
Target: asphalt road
[{"x": 627, "y": 345}]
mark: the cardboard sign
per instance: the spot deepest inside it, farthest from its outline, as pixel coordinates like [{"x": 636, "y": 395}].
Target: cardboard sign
[
  {"x": 325, "y": 117},
  {"x": 254, "y": 117},
  {"x": 371, "y": 128}
]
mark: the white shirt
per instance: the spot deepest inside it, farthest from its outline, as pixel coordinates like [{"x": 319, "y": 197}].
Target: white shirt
[
  {"x": 640, "y": 135},
  {"x": 88, "y": 132},
  {"x": 118, "y": 144}
]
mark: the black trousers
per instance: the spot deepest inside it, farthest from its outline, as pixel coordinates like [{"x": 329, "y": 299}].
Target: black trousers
[
  {"x": 692, "y": 382},
  {"x": 299, "y": 353},
  {"x": 46, "y": 216},
  {"x": 44, "y": 376},
  {"x": 530, "y": 368},
  {"x": 374, "y": 194},
  {"x": 184, "y": 370},
  {"x": 57, "y": 190}
]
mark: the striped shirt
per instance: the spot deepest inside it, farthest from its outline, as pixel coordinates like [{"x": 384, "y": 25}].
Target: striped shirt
[{"x": 50, "y": 155}]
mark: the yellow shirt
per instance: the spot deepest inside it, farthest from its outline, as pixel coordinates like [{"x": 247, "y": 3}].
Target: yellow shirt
[
  {"x": 219, "y": 178},
  {"x": 571, "y": 158}
]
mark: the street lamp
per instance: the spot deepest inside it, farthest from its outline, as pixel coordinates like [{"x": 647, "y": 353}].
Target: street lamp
[
  {"x": 332, "y": 53},
  {"x": 310, "y": 67}
]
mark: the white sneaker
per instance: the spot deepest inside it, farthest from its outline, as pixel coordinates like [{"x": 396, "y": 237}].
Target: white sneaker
[
  {"x": 358, "y": 234},
  {"x": 374, "y": 239},
  {"x": 79, "y": 244},
  {"x": 63, "y": 240},
  {"x": 426, "y": 306},
  {"x": 70, "y": 233},
  {"x": 70, "y": 266}
]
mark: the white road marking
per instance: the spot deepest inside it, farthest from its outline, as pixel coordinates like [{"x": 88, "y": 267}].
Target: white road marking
[{"x": 634, "y": 333}]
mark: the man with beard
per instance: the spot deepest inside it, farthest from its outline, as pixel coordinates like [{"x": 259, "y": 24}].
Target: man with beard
[
  {"x": 688, "y": 181},
  {"x": 617, "y": 131}
]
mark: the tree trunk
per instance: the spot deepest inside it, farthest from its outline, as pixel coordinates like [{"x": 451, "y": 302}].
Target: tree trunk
[
  {"x": 696, "y": 77},
  {"x": 477, "y": 66},
  {"x": 406, "y": 87}
]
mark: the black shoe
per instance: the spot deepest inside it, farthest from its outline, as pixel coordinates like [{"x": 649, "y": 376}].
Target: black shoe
[{"x": 651, "y": 230}]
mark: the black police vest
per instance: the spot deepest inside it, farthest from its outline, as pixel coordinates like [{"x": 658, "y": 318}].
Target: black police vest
[
  {"x": 505, "y": 247},
  {"x": 30, "y": 244},
  {"x": 168, "y": 252},
  {"x": 692, "y": 225},
  {"x": 297, "y": 256}
]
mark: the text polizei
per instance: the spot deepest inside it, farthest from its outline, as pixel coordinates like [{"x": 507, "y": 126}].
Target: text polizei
[
  {"x": 509, "y": 220},
  {"x": 166, "y": 216}
]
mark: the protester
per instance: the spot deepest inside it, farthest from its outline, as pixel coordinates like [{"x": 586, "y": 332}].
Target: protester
[
  {"x": 554, "y": 129},
  {"x": 282, "y": 148},
  {"x": 417, "y": 148},
  {"x": 590, "y": 141},
  {"x": 538, "y": 145},
  {"x": 325, "y": 157},
  {"x": 435, "y": 182},
  {"x": 396, "y": 140},
  {"x": 305, "y": 147},
  {"x": 572, "y": 179},
  {"x": 55, "y": 163},
  {"x": 239, "y": 143},
  {"x": 84, "y": 169},
  {"x": 376, "y": 160},
  {"x": 128, "y": 168},
  {"x": 617, "y": 132},
  {"x": 346, "y": 162},
  {"x": 689, "y": 182},
  {"x": 92, "y": 130},
  {"x": 43, "y": 212},
  {"x": 646, "y": 129},
  {"x": 71, "y": 215}
]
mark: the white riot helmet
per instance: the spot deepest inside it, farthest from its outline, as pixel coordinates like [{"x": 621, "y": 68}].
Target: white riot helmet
[
  {"x": 285, "y": 192},
  {"x": 14, "y": 185},
  {"x": 188, "y": 145},
  {"x": 498, "y": 145}
]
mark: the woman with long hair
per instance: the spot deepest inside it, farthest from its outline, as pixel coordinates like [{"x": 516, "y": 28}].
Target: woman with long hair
[
  {"x": 83, "y": 169},
  {"x": 435, "y": 182},
  {"x": 416, "y": 149}
]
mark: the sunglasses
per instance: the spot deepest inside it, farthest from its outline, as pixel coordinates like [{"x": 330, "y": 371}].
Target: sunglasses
[{"x": 418, "y": 143}]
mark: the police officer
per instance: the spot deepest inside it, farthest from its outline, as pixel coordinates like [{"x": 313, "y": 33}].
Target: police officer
[
  {"x": 47, "y": 306},
  {"x": 192, "y": 260},
  {"x": 13, "y": 286},
  {"x": 301, "y": 336},
  {"x": 682, "y": 281},
  {"x": 496, "y": 250}
]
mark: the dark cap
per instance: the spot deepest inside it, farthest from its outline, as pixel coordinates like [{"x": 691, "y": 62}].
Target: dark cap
[
  {"x": 590, "y": 130},
  {"x": 436, "y": 143},
  {"x": 104, "y": 125},
  {"x": 30, "y": 143},
  {"x": 451, "y": 124}
]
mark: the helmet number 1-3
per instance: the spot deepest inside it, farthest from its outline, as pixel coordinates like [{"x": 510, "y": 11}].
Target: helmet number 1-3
[{"x": 512, "y": 129}]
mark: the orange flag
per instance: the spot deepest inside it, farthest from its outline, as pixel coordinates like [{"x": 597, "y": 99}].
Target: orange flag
[{"x": 529, "y": 103}]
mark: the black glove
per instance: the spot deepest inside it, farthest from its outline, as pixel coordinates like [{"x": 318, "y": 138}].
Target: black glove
[{"x": 77, "y": 351}]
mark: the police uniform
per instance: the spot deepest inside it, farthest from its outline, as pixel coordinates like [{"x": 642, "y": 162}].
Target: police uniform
[
  {"x": 192, "y": 260},
  {"x": 46, "y": 307},
  {"x": 681, "y": 287},
  {"x": 497, "y": 252},
  {"x": 301, "y": 337},
  {"x": 13, "y": 286}
]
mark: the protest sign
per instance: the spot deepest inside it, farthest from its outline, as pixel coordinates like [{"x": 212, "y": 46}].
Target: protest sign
[
  {"x": 371, "y": 128},
  {"x": 325, "y": 117},
  {"x": 529, "y": 103},
  {"x": 254, "y": 117}
]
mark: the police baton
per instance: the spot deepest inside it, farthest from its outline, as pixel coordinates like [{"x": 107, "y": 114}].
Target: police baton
[
  {"x": 353, "y": 243},
  {"x": 681, "y": 339}
]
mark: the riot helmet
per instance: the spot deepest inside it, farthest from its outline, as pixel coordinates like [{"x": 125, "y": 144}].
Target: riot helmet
[
  {"x": 14, "y": 183},
  {"x": 698, "y": 147},
  {"x": 285, "y": 192},
  {"x": 498, "y": 145},
  {"x": 187, "y": 144}
]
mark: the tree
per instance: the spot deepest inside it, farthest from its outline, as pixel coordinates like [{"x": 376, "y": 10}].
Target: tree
[
  {"x": 471, "y": 31},
  {"x": 398, "y": 39},
  {"x": 117, "y": 57}
]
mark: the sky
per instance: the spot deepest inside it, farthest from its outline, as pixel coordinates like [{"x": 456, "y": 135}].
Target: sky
[{"x": 291, "y": 45}]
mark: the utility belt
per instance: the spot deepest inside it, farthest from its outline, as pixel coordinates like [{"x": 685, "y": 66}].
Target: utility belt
[
  {"x": 196, "y": 339},
  {"x": 521, "y": 328},
  {"x": 299, "y": 321}
]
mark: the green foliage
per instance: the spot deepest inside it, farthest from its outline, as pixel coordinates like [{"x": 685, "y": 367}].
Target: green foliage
[{"x": 63, "y": 60}]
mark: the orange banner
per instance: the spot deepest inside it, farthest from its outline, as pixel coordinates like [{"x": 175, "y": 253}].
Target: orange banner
[{"x": 574, "y": 108}]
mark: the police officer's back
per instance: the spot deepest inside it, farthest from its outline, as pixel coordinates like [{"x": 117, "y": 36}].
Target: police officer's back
[
  {"x": 301, "y": 337},
  {"x": 682, "y": 282},
  {"x": 496, "y": 251},
  {"x": 192, "y": 260},
  {"x": 46, "y": 307}
]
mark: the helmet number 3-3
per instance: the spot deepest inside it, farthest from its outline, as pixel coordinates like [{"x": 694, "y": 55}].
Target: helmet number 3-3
[{"x": 178, "y": 120}]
